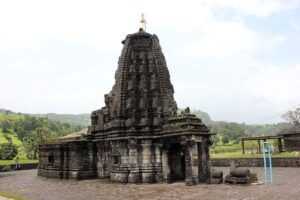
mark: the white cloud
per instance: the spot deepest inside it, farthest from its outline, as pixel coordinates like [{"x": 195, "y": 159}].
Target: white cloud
[
  {"x": 277, "y": 84},
  {"x": 99, "y": 23},
  {"x": 221, "y": 39},
  {"x": 272, "y": 41},
  {"x": 233, "y": 93},
  {"x": 94, "y": 22},
  {"x": 259, "y": 8},
  {"x": 51, "y": 54},
  {"x": 230, "y": 39}
]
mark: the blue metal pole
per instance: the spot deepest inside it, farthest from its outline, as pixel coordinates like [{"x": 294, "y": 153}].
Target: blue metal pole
[
  {"x": 270, "y": 163},
  {"x": 265, "y": 167}
]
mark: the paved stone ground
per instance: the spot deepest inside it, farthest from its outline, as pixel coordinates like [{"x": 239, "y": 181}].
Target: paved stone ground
[
  {"x": 27, "y": 183},
  {"x": 3, "y": 198}
]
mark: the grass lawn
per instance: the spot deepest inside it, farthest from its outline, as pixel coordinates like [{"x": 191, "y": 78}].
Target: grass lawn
[
  {"x": 15, "y": 140},
  {"x": 7, "y": 162},
  {"x": 12, "y": 135},
  {"x": 235, "y": 151},
  {"x": 247, "y": 155},
  {"x": 12, "y": 196},
  {"x": 234, "y": 147}
]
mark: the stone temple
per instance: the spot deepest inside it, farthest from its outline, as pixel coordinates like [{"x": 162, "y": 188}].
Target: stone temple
[{"x": 137, "y": 137}]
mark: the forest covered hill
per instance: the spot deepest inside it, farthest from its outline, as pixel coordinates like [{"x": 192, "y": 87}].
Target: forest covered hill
[
  {"x": 21, "y": 133},
  {"x": 26, "y": 130},
  {"x": 218, "y": 127},
  {"x": 74, "y": 119}
]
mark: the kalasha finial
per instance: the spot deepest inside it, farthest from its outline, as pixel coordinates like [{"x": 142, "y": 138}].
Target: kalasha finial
[{"x": 143, "y": 21}]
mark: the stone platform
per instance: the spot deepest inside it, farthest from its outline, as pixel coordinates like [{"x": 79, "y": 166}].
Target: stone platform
[{"x": 27, "y": 183}]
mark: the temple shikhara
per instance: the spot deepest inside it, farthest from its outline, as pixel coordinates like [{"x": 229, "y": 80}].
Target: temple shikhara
[{"x": 138, "y": 136}]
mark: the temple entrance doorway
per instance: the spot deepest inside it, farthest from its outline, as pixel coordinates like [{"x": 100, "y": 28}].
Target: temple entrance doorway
[{"x": 177, "y": 163}]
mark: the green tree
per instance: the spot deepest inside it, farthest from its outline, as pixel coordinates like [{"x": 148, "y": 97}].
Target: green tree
[
  {"x": 8, "y": 150},
  {"x": 225, "y": 139},
  {"x": 6, "y": 125},
  {"x": 216, "y": 139},
  {"x": 32, "y": 141},
  {"x": 232, "y": 130}
]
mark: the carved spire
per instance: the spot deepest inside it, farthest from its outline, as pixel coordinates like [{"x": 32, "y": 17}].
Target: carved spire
[{"x": 142, "y": 95}]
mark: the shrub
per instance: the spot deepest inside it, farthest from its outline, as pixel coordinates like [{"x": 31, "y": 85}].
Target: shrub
[
  {"x": 216, "y": 139},
  {"x": 225, "y": 139},
  {"x": 6, "y": 168},
  {"x": 8, "y": 151}
]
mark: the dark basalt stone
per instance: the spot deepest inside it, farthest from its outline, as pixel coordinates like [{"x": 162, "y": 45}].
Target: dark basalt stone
[
  {"x": 137, "y": 137},
  {"x": 238, "y": 175},
  {"x": 216, "y": 176}
]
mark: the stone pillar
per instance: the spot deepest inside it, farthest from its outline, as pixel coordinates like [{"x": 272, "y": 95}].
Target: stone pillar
[
  {"x": 147, "y": 166},
  {"x": 61, "y": 160},
  {"x": 158, "y": 164},
  {"x": 165, "y": 166},
  {"x": 191, "y": 171},
  {"x": 66, "y": 155},
  {"x": 134, "y": 176},
  {"x": 203, "y": 160}
]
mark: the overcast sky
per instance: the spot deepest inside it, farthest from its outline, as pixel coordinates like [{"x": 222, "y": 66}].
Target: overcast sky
[{"x": 236, "y": 60}]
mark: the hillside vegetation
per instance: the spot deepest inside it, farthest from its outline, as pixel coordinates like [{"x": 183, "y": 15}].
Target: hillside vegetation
[
  {"x": 27, "y": 130},
  {"x": 73, "y": 119},
  {"x": 231, "y": 132}
]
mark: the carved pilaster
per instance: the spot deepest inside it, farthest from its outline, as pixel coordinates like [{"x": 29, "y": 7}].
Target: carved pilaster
[
  {"x": 166, "y": 167},
  {"x": 147, "y": 165},
  {"x": 158, "y": 163},
  {"x": 146, "y": 152},
  {"x": 133, "y": 176},
  {"x": 203, "y": 161},
  {"x": 103, "y": 160},
  {"x": 191, "y": 175}
]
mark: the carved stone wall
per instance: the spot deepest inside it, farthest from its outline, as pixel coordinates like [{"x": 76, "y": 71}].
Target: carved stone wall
[{"x": 67, "y": 160}]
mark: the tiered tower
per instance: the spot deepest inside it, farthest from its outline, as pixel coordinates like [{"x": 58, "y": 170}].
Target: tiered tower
[{"x": 142, "y": 96}]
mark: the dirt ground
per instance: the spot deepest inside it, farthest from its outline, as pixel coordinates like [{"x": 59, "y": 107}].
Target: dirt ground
[{"x": 27, "y": 183}]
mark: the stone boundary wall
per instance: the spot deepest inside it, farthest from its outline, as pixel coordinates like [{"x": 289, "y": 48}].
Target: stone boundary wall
[
  {"x": 215, "y": 162},
  {"x": 24, "y": 166},
  {"x": 256, "y": 162}
]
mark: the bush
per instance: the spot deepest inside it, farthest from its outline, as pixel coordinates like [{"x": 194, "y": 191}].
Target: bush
[
  {"x": 6, "y": 168},
  {"x": 216, "y": 139},
  {"x": 8, "y": 151},
  {"x": 225, "y": 139}
]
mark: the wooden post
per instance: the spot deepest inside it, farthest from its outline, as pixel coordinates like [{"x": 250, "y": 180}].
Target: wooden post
[
  {"x": 243, "y": 146},
  {"x": 279, "y": 145},
  {"x": 259, "y": 149}
]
